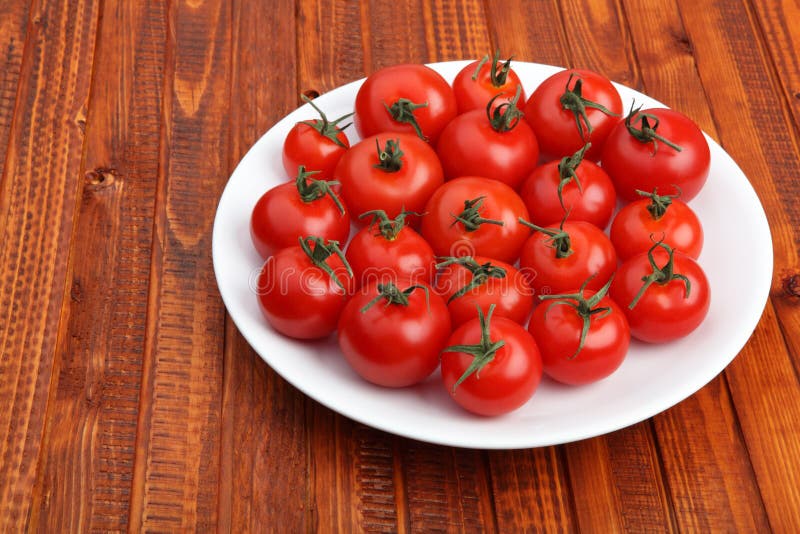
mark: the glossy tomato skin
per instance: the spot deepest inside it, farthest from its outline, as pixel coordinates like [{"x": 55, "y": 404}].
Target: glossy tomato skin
[
  {"x": 306, "y": 146},
  {"x": 501, "y": 203},
  {"x": 633, "y": 164},
  {"x": 594, "y": 205},
  {"x": 475, "y": 94},
  {"x": 280, "y": 217},
  {"x": 634, "y": 228},
  {"x": 593, "y": 255},
  {"x": 663, "y": 313},
  {"x": 365, "y": 188},
  {"x": 505, "y": 383},
  {"x": 373, "y": 257},
  {"x": 511, "y": 295},
  {"x": 469, "y": 145},
  {"x": 299, "y": 299},
  {"x": 555, "y": 127},
  {"x": 394, "y": 345},
  {"x": 414, "y": 82},
  {"x": 557, "y": 331}
]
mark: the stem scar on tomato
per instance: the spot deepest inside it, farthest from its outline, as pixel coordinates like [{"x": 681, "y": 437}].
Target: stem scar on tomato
[
  {"x": 480, "y": 273},
  {"x": 482, "y": 352},
  {"x": 661, "y": 275},
  {"x": 471, "y": 218},
  {"x": 573, "y": 100}
]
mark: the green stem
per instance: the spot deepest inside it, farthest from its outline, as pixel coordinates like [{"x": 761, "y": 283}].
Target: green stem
[
  {"x": 403, "y": 111},
  {"x": 321, "y": 251},
  {"x": 481, "y": 273},
  {"x": 388, "y": 228},
  {"x": 471, "y": 218},
  {"x": 311, "y": 190},
  {"x": 482, "y": 353},
  {"x": 559, "y": 239},
  {"x": 572, "y": 100},
  {"x": 661, "y": 275},
  {"x": 647, "y": 133},
  {"x": 658, "y": 203},
  {"x": 390, "y": 159},
  {"x": 567, "y": 171},
  {"x": 393, "y": 295},
  {"x": 329, "y": 129},
  {"x": 505, "y": 116}
]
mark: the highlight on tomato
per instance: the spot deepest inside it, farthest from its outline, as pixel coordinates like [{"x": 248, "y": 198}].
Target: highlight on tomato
[
  {"x": 583, "y": 336},
  {"x": 392, "y": 337},
  {"x": 480, "y": 81},
  {"x": 666, "y": 294},
  {"x": 302, "y": 289},
  {"x": 289, "y": 211},
  {"x": 491, "y": 365}
]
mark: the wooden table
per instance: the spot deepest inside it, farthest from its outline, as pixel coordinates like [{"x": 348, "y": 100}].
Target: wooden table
[{"x": 128, "y": 400}]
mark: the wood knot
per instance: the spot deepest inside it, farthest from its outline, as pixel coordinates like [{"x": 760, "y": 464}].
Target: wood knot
[
  {"x": 101, "y": 176},
  {"x": 791, "y": 285},
  {"x": 311, "y": 94}
]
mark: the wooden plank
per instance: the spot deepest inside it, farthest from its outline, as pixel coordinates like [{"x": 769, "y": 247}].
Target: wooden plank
[
  {"x": 37, "y": 202},
  {"x": 87, "y": 462},
  {"x": 13, "y": 27},
  {"x": 176, "y": 469}
]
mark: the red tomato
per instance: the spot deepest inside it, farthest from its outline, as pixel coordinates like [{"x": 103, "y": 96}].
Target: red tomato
[
  {"x": 316, "y": 144},
  {"x": 572, "y": 185},
  {"x": 303, "y": 289},
  {"x": 391, "y": 172},
  {"x": 657, "y": 148},
  {"x": 391, "y": 337},
  {"x": 412, "y": 99},
  {"x": 555, "y": 260},
  {"x": 472, "y": 216},
  {"x": 666, "y": 293},
  {"x": 571, "y": 108},
  {"x": 583, "y": 336},
  {"x": 289, "y": 211},
  {"x": 387, "y": 250},
  {"x": 476, "y": 84},
  {"x": 656, "y": 217},
  {"x": 495, "y": 144},
  {"x": 491, "y": 366},
  {"x": 468, "y": 283}
]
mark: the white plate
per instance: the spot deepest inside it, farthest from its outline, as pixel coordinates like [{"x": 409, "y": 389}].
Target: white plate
[{"x": 737, "y": 248}]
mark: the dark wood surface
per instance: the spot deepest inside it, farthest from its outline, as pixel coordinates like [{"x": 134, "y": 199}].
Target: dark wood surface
[{"x": 128, "y": 399}]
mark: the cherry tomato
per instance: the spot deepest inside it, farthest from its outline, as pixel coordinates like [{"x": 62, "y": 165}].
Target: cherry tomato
[
  {"x": 491, "y": 366},
  {"x": 555, "y": 260},
  {"x": 388, "y": 250},
  {"x": 495, "y": 144},
  {"x": 393, "y": 337},
  {"x": 477, "y": 83},
  {"x": 289, "y": 211},
  {"x": 656, "y": 217},
  {"x": 657, "y": 148},
  {"x": 472, "y": 216},
  {"x": 302, "y": 289},
  {"x": 571, "y": 108},
  {"x": 316, "y": 144},
  {"x": 412, "y": 99},
  {"x": 468, "y": 283},
  {"x": 574, "y": 185},
  {"x": 665, "y": 293},
  {"x": 391, "y": 172}
]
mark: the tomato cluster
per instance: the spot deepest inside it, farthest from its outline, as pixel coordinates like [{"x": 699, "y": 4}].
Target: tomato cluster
[{"x": 479, "y": 240}]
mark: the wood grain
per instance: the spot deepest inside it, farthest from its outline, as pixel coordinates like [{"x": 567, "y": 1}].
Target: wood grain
[
  {"x": 13, "y": 27},
  {"x": 37, "y": 203}
]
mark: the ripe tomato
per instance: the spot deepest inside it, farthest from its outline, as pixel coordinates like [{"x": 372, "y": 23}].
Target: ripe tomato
[
  {"x": 303, "y": 289},
  {"x": 495, "y": 144},
  {"x": 412, "y": 99},
  {"x": 476, "y": 84},
  {"x": 289, "y": 211},
  {"x": 656, "y": 217},
  {"x": 571, "y": 108},
  {"x": 316, "y": 144},
  {"x": 472, "y": 216},
  {"x": 393, "y": 337},
  {"x": 657, "y": 148},
  {"x": 574, "y": 185},
  {"x": 468, "y": 283},
  {"x": 663, "y": 302},
  {"x": 491, "y": 366},
  {"x": 388, "y": 250},
  {"x": 391, "y": 172},
  {"x": 555, "y": 260}
]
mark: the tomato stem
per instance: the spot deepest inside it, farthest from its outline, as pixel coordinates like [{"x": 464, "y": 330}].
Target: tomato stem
[
  {"x": 393, "y": 295},
  {"x": 559, "y": 239},
  {"x": 567, "y": 171},
  {"x": 326, "y": 128},
  {"x": 480, "y": 273},
  {"x": 311, "y": 190},
  {"x": 572, "y": 100},
  {"x": 659, "y": 203},
  {"x": 471, "y": 218},
  {"x": 482, "y": 352},
  {"x": 647, "y": 133},
  {"x": 585, "y": 308},
  {"x": 661, "y": 275},
  {"x": 390, "y": 158},
  {"x": 478, "y": 68},
  {"x": 506, "y": 116},
  {"x": 388, "y": 228},
  {"x": 403, "y": 111},
  {"x": 321, "y": 252}
]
